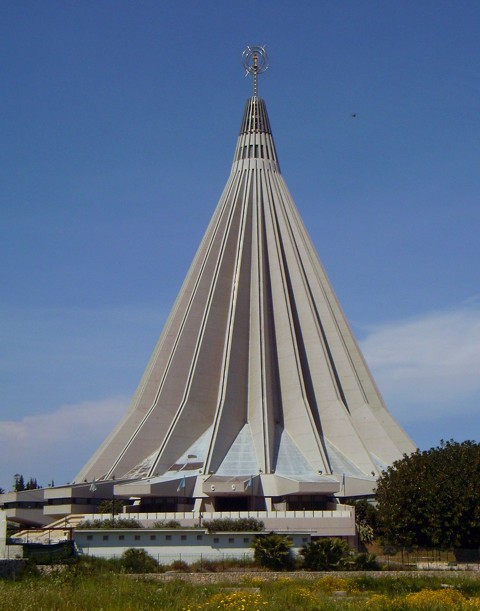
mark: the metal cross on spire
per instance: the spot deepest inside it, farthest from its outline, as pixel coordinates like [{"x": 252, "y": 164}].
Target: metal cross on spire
[{"x": 255, "y": 61}]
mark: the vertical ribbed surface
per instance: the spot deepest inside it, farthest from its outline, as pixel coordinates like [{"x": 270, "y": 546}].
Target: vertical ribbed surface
[
  {"x": 256, "y": 364},
  {"x": 255, "y": 117},
  {"x": 255, "y": 140}
]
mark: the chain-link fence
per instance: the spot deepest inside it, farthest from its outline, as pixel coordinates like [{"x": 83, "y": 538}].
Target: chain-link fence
[{"x": 429, "y": 559}]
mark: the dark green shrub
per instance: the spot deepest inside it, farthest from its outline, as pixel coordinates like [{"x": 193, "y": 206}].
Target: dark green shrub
[
  {"x": 115, "y": 523},
  {"x": 365, "y": 562},
  {"x": 138, "y": 561},
  {"x": 231, "y": 525},
  {"x": 327, "y": 554},
  {"x": 167, "y": 524},
  {"x": 273, "y": 552}
]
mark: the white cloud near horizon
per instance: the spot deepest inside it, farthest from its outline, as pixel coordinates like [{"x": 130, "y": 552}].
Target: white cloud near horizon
[
  {"x": 53, "y": 445},
  {"x": 433, "y": 360}
]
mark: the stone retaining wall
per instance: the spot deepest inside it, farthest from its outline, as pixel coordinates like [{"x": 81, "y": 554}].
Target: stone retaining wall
[{"x": 238, "y": 577}]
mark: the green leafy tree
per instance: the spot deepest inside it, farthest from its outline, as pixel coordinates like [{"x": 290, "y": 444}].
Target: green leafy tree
[
  {"x": 328, "y": 554},
  {"x": 365, "y": 512},
  {"x": 365, "y": 519},
  {"x": 106, "y": 506},
  {"x": 18, "y": 482},
  {"x": 32, "y": 484},
  {"x": 273, "y": 551},
  {"x": 430, "y": 498}
]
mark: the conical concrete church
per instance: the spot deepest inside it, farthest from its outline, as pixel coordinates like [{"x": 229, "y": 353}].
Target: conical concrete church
[
  {"x": 256, "y": 397},
  {"x": 257, "y": 390}
]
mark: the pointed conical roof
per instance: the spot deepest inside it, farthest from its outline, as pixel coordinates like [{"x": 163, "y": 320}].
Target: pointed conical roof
[{"x": 257, "y": 370}]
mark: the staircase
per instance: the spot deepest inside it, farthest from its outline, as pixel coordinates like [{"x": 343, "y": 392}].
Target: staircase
[{"x": 53, "y": 533}]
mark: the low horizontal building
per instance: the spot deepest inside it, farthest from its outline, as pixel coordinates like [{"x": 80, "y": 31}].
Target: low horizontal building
[
  {"x": 192, "y": 540},
  {"x": 189, "y": 545}
]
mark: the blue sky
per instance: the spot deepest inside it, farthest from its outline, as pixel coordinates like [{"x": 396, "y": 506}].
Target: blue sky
[{"x": 118, "y": 125}]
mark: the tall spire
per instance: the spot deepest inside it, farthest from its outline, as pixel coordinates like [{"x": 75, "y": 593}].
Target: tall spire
[{"x": 257, "y": 372}]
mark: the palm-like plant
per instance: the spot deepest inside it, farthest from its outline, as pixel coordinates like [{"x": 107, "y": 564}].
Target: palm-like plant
[
  {"x": 325, "y": 554},
  {"x": 273, "y": 551}
]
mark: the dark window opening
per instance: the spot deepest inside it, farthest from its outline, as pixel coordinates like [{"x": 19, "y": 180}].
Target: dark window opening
[
  {"x": 303, "y": 502},
  {"x": 232, "y": 503}
]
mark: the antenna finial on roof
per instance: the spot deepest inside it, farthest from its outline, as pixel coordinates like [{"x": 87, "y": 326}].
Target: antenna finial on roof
[{"x": 255, "y": 61}]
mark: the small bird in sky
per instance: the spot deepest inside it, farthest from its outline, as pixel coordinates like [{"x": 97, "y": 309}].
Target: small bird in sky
[{"x": 354, "y": 114}]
